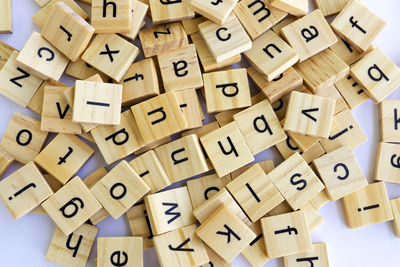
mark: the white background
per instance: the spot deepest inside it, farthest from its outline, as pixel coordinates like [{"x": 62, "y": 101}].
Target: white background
[{"x": 25, "y": 242}]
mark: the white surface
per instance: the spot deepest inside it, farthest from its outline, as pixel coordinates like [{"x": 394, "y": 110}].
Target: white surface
[{"x": 25, "y": 242}]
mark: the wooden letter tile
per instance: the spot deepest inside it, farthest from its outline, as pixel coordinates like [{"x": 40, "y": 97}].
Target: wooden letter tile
[
  {"x": 340, "y": 172},
  {"x": 6, "y": 159},
  {"x": 5, "y": 53},
  {"x": 309, "y": 35},
  {"x": 41, "y": 58},
  {"x": 369, "y": 205},
  {"x": 23, "y": 138},
  {"x": 256, "y": 253},
  {"x": 73, "y": 249},
  {"x": 169, "y": 210},
  {"x": 216, "y": 11},
  {"x": 170, "y": 10},
  {"x": 139, "y": 11},
  {"x": 64, "y": 156},
  {"x": 387, "y": 163},
  {"x": 395, "y": 204},
  {"x": 296, "y": 181},
  {"x": 332, "y": 93},
  {"x": 191, "y": 25},
  {"x": 225, "y": 233},
  {"x": 351, "y": 91},
  {"x": 294, "y": 7},
  {"x": 266, "y": 166},
  {"x": 330, "y": 7},
  {"x": 71, "y": 206},
  {"x": 112, "y": 16},
  {"x": 377, "y": 74},
  {"x": 191, "y": 108},
  {"x": 139, "y": 223},
  {"x": 82, "y": 71},
  {"x": 6, "y": 24},
  {"x": 318, "y": 257},
  {"x": 180, "y": 248},
  {"x": 389, "y": 120},
  {"x": 120, "y": 251}
]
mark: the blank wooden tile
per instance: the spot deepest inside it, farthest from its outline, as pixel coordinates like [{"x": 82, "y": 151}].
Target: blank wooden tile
[
  {"x": 6, "y": 159},
  {"x": 227, "y": 158},
  {"x": 169, "y": 210},
  {"x": 190, "y": 106},
  {"x": 111, "y": 54},
  {"x": 217, "y": 11},
  {"x": 332, "y": 93},
  {"x": 296, "y": 181},
  {"x": 255, "y": 253},
  {"x": 180, "y": 69},
  {"x": 271, "y": 56},
  {"x": 6, "y": 21},
  {"x": 17, "y": 84},
  {"x": 358, "y": 25},
  {"x": 258, "y": 19},
  {"x": 266, "y": 166},
  {"x": 322, "y": 71},
  {"x": 24, "y": 190},
  {"x": 138, "y": 14},
  {"x": 377, "y": 74},
  {"x": 139, "y": 224},
  {"x": 180, "y": 248},
  {"x": 40, "y": 18},
  {"x": 41, "y": 58},
  {"x": 159, "y": 117},
  {"x": 387, "y": 163},
  {"x": 23, "y": 138},
  {"x": 5, "y": 52},
  {"x": 170, "y": 10},
  {"x": 57, "y": 113},
  {"x": 352, "y": 92},
  {"x": 369, "y": 205},
  {"x": 71, "y": 206},
  {"x": 260, "y": 127},
  {"x": 296, "y": 8},
  {"x": 140, "y": 82},
  {"x": 286, "y": 234},
  {"x": 206, "y": 58},
  {"x": 310, "y": 115},
  {"x": 72, "y": 249},
  {"x": 226, "y": 90},
  {"x": 330, "y": 7},
  {"x": 340, "y": 172},
  {"x": 317, "y": 257},
  {"x": 120, "y": 141},
  {"x": 309, "y": 35},
  {"x": 225, "y": 233},
  {"x": 279, "y": 87},
  {"x": 395, "y": 204},
  {"x": 225, "y": 41},
  {"x": 389, "y": 120},
  {"x": 120, "y": 251},
  {"x": 111, "y": 16},
  {"x": 346, "y": 131},
  {"x": 255, "y": 193},
  {"x": 82, "y": 71},
  {"x": 67, "y": 31},
  {"x": 64, "y": 156},
  {"x": 97, "y": 102},
  {"x": 162, "y": 38}
]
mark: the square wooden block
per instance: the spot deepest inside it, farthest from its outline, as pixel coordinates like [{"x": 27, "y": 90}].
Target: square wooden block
[
  {"x": 5, "y": 53},
  {"x": 296, "y": 8},
  {"x": 191, "y": 108},
  {"x": 351, "y": 91},
  {"x": 225, "y": 233},
  {"x": 57, "y": 113},
  {"x": 271, "y": 56},
  {"x": 17, "y": 84},
  {"x": 182, "y": 158},
  {"x": 6, "y": 159},
  {"x": 180, "y": 69},
  {"x": 111, "y": 54},
  {"x": 6, "y": 22},
  {"x": 286, "y": 234},
  {"x": 111, "y": 16},
  {"x": 120, "y": 141},
  {"x": 389, "y": 120},
  {"x": 67, "y": 31},
  {"x": 125, "y": 251},
  {"x": 309, "y": 35},
  {"x": 347, "y": 53},
  {"x": 23, "y": 138},
  {"x": 256, "y": 253},
  {"x": 139, "y": 224},
  {"x": 64, "y": 156},
  {"x": 181, "y": 248},
  {"x": 97, "y": 102},
  {"x": 387, "y": 163},
  {"x": 24, "y": 190},
  {"x": 226, "y": 90},
  {"x": 340, "y": 172},
  {"x": 169, "y": 210},
  {"x": 258, "y": 19},
  {"x": 36, "y": 103},
  {"x": 309, "y": 114},
  {"x": 216, "y": 11},
  {"x": 358, "y": 25},
  {"x": 255, "y": 193},
  {"x": 317, "y": 257},
  {"x": 170, "y": 10},
  {"x": 225, "y": 41},
  {"x": 227, "y": 149},
  {"x": 71, "y": 206},
  {"x": 159, "y": 117},
  {"x": 367, "y": 206},
  {"x": 377, "y": 74},
  {"x": 120, "y": 189},
  {"x": 395, "y": 204},
  {"x": 41, "y": 58},
  {"x": 162, "y": 38},
  {"x": 296, "y": 181},
  {"x": 260, "y": 127},
  {"x": 139, "y": 10},
  {"x": 330, "y": 7},
  {"x": 72, "y": 249},
  {"x": 140, "y": 82}
]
